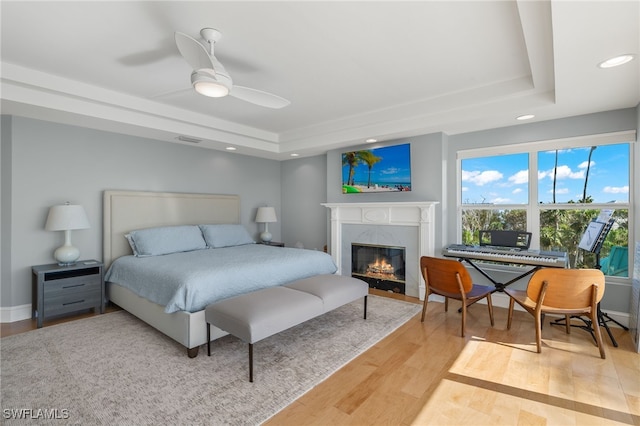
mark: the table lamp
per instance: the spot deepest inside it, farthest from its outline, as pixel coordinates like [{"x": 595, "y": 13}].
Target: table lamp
[
  {"x": 66, "y": 217},
  {"x": 266, "y": 215}
]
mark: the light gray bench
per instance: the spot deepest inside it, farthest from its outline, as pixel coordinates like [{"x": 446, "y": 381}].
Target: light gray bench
[{"x": 263, "y": 313}]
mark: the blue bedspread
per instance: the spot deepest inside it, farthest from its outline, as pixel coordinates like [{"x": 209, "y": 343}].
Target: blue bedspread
[{"x": 190, "y": 281}]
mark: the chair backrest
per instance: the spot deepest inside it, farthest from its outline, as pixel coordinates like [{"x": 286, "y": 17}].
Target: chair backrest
[
  {"x": 441, "y": 274},
  {"x": 567, "y": 288}
]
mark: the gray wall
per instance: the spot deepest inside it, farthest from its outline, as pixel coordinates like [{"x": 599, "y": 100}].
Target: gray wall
[
  {"x": 304, "y": 188},
  {"x": 5, "y": 209},
  {"x": 428, "y": 155},
  {"x": 53, "y": 163}
]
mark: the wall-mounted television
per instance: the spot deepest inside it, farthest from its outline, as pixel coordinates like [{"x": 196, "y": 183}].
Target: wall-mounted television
[{"x": 385, "y": 169}]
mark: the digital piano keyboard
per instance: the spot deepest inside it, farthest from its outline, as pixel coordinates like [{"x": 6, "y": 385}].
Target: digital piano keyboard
[{"x": 553, "y": 259}]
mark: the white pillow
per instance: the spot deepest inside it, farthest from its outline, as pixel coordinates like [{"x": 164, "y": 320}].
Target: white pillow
[
  {"x": 218, "y": 236},
  {"x": 132, "y": 244},
  {"x": 166, "y": 240}
]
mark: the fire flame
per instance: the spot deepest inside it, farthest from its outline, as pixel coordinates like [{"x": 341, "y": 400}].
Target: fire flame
[{"x": 381, "y": 269}]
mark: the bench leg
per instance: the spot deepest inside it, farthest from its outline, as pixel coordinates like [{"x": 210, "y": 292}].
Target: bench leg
[
  {"x": 251, "y": 362},
  {"x": 365, "y": 307},
  {"x": 208, "y": 339}
]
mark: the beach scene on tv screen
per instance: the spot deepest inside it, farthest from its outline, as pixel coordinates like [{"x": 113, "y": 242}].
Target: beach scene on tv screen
[{"x": 386, "y": 169}]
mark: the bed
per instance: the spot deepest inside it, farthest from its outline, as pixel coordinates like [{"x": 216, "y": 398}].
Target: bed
[{"x": 180, "y": 314}]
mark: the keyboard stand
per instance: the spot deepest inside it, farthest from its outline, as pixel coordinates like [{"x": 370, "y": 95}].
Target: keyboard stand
[
  {"x": 500, "y": 286},
  {"x": 603, "y": 319}
]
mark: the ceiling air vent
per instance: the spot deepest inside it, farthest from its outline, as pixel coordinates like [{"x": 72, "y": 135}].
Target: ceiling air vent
[{"x": 188, "y": 139}]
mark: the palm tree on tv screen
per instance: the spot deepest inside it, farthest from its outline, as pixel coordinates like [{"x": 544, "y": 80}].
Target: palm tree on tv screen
[
  {"x": 370, "y": 159},
  {"x": 351, "y": 159}
]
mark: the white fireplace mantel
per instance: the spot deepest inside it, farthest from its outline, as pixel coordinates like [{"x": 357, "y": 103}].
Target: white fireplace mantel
[{"x": 418, "y": 214}]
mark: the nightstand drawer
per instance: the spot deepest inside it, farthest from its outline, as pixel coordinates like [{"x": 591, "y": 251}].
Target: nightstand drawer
[
  {"x": 63, "y": 303},
  {"x": 72, "y": 285}
]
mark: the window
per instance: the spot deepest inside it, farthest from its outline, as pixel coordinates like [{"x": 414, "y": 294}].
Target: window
[{"x": 553, "y": 190}]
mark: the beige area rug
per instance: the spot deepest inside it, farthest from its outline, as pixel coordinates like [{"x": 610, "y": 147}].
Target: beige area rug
[{"x": 114, "y": 369}]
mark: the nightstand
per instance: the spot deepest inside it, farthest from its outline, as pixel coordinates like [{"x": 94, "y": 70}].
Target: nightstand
[
  {"x": 58, "y": 290},
  {"x": 273, "y": 243}
]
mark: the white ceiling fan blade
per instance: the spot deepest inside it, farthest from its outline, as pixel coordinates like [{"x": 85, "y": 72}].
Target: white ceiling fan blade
[
  {"x": 258, "y": 97},
  {"x": 193, "y": 52},
  {"x": 172, "y": 93}
]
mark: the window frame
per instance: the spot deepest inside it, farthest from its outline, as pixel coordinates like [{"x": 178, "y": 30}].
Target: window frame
[{"x": 533, "y": 208}]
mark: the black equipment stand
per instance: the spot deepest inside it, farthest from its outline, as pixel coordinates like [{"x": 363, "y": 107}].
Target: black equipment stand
[
  {"x": 603, "y": 318},
  {"x": 498, "y": 285}
]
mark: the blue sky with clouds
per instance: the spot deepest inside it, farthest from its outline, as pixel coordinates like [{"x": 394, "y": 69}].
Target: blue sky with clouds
[
  {"x": 504, "y": 179},
  {"x": 393, "y": 168}
]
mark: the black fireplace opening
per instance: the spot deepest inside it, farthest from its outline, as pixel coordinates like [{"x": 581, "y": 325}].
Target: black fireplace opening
[{"x": 382, "y": 267}]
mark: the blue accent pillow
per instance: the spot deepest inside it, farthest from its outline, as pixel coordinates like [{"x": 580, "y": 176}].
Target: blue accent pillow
[
  {"x": 218, "y": 236},
  {"x": 166, "y": 240}
]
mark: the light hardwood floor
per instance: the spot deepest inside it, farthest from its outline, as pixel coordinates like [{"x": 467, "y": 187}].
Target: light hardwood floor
[{"x": 426, "y": 374}]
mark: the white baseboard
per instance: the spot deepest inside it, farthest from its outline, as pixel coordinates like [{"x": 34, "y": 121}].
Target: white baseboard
[
  {"x": 501, "y": 300},
  {"x": 15, "y": 313}
]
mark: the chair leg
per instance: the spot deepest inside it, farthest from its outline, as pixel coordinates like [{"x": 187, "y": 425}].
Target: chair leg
[
  {"x": 567, "y": 322},
  {"x": 464, "y": 316},
  {"x": 510, "y": 314},
  {"x": 446, "y": 304},
  {"x": 424, "y": 306},
  {"x": 208, "y": 339},
  {"x": 538, "y": 332},
  {"x": 596, "y": 330},
  {"x": 490, "y": 305}
]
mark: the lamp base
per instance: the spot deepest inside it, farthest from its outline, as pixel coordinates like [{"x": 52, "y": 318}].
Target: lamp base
[
  {"x": 66, "y": 255},
  {"x": 266, "y": 236}
]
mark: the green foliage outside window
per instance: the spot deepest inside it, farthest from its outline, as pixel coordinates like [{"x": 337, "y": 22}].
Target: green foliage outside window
[{"x": 561, "y": 226}]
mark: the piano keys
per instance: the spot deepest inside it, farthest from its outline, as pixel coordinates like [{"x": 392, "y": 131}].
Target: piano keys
[{"x": 552, "y": 259}]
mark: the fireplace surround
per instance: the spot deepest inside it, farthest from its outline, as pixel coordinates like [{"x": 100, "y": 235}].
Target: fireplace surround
[{"x": 408, "y": 224}]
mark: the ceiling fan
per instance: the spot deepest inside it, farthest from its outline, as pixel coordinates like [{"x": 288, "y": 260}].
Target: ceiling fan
[{"x": 209, "y": 77}]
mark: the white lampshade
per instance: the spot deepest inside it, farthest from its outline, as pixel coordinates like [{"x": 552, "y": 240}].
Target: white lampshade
[
  {"x": 65, "y": 218},
  {"x": 266, "y": 215}
]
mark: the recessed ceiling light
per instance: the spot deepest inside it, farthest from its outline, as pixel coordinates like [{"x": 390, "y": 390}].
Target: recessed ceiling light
[
  {"x": 371, "y": 140},
  {"x": 231, "y": 148},
  {"x": 525, "y": 117},
  {"x": 616, "y": 61},
  {"x": 295, "y": 155}
]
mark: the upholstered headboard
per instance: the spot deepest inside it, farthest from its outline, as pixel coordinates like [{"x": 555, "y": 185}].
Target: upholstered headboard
[{"x": 125, "y": 211}]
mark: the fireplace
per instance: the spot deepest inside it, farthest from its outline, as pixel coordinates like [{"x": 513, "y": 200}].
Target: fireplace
[
  {"x": 382, "y": 267},
  {"x": 408, "y": 224}
]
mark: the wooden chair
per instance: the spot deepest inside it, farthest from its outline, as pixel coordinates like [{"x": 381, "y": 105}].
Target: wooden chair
[
  {"x": 449, "y": 278},
  {"x": 561, "y": 291}
]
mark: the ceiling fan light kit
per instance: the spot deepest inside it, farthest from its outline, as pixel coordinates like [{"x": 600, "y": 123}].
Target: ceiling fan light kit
[
  {"x": 206, "y": 84},
  {"x": 209, "y": 78}
]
